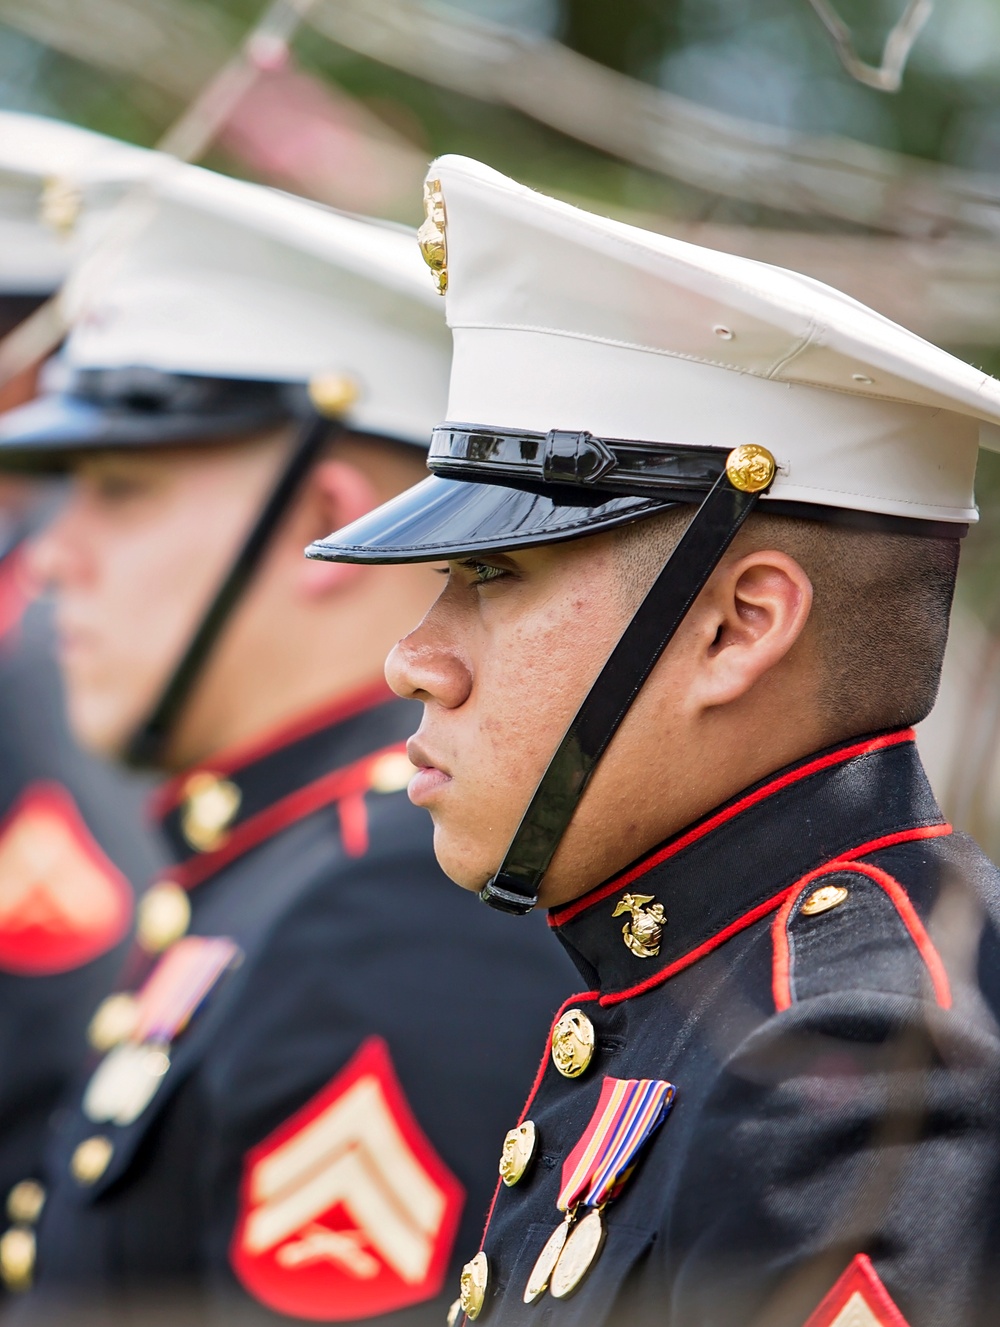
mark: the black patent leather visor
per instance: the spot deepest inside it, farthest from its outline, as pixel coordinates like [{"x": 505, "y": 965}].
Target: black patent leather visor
[
  {"x": 493, "y": 489},
  {"x": 451, "y": 518}
]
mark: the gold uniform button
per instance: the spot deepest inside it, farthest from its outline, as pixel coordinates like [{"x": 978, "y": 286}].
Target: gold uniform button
[
  {"x": 518, "y": 1150},
  {"x": 475, "y": 1279},
  {"x": 25, "y": 1202},
  {"x": 113, "y": 1022},
  {"x": 573, "y": 1043},
  {"x": 209, "y": 807},
  {"x": 164, "y": 915},
  {"x": 750, "y": 467},
  {"x": 391, "y": 772},
  {"x": 17, "y": 1259},
  {"x": 823, "y": 899},
  {"x": 91, "y": 1159},
  {"x": 454, "y": 1313}
]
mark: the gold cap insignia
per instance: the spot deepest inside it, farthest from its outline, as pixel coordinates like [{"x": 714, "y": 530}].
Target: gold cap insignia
[
  {"x": 518, "y": 1149},
  {"x": 163, "y": 916},
  {"x": 91, "y": 1159},
  {"x": 333, "y": 394},
  {"x": 432, "y": 234},
  {"x": 750, "y": 468},
  {"x": 475, "y": 1279},
  {"x": 823, "y": 899},
  {"x": 210, "y": 806},
  {"x": 60, "y": 205},
  {"x": 642, "y": 932},
  {"x": 573, "y": 1043}
]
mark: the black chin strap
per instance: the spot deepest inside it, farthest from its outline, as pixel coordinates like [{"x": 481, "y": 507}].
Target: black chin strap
[
  {"x": 514, "y": 888},
  {"x": 145, "y": 748}
]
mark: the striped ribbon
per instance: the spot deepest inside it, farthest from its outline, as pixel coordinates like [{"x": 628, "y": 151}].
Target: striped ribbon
[
  {"x": 178, "y": 985},
  {"x": 628, "y": 1112}
]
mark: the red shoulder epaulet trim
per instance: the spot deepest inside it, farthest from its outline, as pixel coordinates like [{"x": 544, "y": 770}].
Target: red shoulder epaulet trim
[{"x": 781, "y": 971}]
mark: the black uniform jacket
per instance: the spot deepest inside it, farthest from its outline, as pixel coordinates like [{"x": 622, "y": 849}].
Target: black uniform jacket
[
  {"x": 825, "y": 999},
  {"x": 324, "y": 1140},
  {"x": 73, "y": 846}
]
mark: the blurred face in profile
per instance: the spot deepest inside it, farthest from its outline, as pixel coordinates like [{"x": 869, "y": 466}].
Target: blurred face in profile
[{"x": 133, "y": 560}]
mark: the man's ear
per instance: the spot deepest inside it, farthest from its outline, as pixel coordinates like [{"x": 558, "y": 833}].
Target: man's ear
[
  {"x": 337, "y": 494},
  {"x": 754, "y": 610}
]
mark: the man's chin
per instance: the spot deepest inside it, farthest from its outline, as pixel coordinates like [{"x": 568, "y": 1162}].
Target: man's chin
[{"x": 458, "y": 865}]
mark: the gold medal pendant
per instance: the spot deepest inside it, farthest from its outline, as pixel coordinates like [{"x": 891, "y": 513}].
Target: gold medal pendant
[
  {"x": 124, "y": 1083},
  {"x": 541, "y": 1273},
  {"x": 580, "y": 1251}
]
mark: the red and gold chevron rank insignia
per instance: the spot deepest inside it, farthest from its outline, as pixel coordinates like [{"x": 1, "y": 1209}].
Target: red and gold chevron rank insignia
[
  {"x": 346, "y": 1210},
  {"x": 858, "y": 1299},
  {"x": 62, "y": 902}
]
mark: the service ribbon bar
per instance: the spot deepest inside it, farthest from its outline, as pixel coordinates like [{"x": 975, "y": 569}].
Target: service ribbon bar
[
  {"x": 178, "y": 985},
  {"x": 628, "y": 1112}
]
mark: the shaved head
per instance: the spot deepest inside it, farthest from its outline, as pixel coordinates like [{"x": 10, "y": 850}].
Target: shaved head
[{"x": 881, "y": 607}]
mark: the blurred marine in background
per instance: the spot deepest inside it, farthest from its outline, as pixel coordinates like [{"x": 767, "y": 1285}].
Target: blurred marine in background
[
  {"x": 703, "y": 515},
  {"x": 310, "y": 1065},
  {"x": 72, "y": 841}
]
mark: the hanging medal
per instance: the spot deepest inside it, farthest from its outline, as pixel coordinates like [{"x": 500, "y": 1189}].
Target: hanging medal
[
  {"x": 628, "y": 1112},
  {"x": 128, "y": 1077}
]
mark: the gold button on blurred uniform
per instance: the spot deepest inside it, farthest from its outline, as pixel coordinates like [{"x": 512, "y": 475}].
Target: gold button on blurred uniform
[
  {"x": 573, "y": 1043},
  {"x": 114, "y": 1020},
  {"x": 209, "y": 807},
  {"x": 17, "y": 1258},
  {"x": 823, "y": 899},
  {"x": 518, "y": 1150},
  {"x": 164, "y": 915},
  {"x": 391, "y": 772},
  {"x": 475, "y": 1279},
  {"x": 25, "y": 1202},
  {"x": 91, "y": 1159}
]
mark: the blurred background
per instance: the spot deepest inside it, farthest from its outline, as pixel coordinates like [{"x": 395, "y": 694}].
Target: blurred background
[{"x": 859, "y": 144}]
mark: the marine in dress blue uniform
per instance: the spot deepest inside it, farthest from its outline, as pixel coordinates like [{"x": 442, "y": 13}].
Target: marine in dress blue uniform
[
  {"x": 774, "y": 1097},
  {"x": 294, "y": 1098},
  {"x": 73, "y": 845}
]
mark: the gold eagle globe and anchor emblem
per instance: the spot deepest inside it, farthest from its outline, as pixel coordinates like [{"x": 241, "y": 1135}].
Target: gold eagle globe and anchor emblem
[
  {"x": 644, "y": 929},
  {"x": 431, "y": 235}
]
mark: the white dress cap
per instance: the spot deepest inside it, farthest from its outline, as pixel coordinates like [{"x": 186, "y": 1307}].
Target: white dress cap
[
  {"x": 213, "y": 276},
  {"x": 566, "y": 320},
  {"x": 46, "y": 168}
]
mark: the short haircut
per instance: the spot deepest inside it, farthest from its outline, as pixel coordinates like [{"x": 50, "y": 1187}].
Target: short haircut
[{"x": 881, "y": 606}]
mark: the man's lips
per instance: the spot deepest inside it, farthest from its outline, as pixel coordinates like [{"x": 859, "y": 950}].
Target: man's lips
[{"x": 430, "y": 776}]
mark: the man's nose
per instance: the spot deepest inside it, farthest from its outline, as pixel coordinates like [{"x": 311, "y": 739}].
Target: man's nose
[{"x": 419, "y": 667}]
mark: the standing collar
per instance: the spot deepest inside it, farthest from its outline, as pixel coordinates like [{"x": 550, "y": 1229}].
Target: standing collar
[
  {"x": 220, "y": 808},
  {"x": 738, "y": 863}
]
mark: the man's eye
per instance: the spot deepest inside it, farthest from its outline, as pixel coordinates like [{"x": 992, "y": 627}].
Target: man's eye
[{"x": 483, "y": 572}]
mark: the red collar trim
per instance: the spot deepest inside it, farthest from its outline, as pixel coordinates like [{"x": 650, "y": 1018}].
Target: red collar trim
[
  {"x": 171, "y": 793},
  {"x": 771, "y": 905},
  {"x": 332, "y": 787},
  {"x": 559, "y": 916}
]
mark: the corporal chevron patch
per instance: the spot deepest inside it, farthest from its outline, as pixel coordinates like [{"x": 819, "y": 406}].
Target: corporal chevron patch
[
  {"x": 858, "y": 1299},
  {"x": 62, "y": 902},
  {"x": 346, "y": 1210}
]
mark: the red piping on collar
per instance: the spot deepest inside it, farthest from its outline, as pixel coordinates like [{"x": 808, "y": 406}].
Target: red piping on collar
[
  {"x": 171, "y": 794},
  {"x": 782, "y": 973},
  {"x": 583, "y": 998},
  {"x": 352, "y": 780},
  {"x": 762, "y": 909},
  {"x": 559, "y": 916}
]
